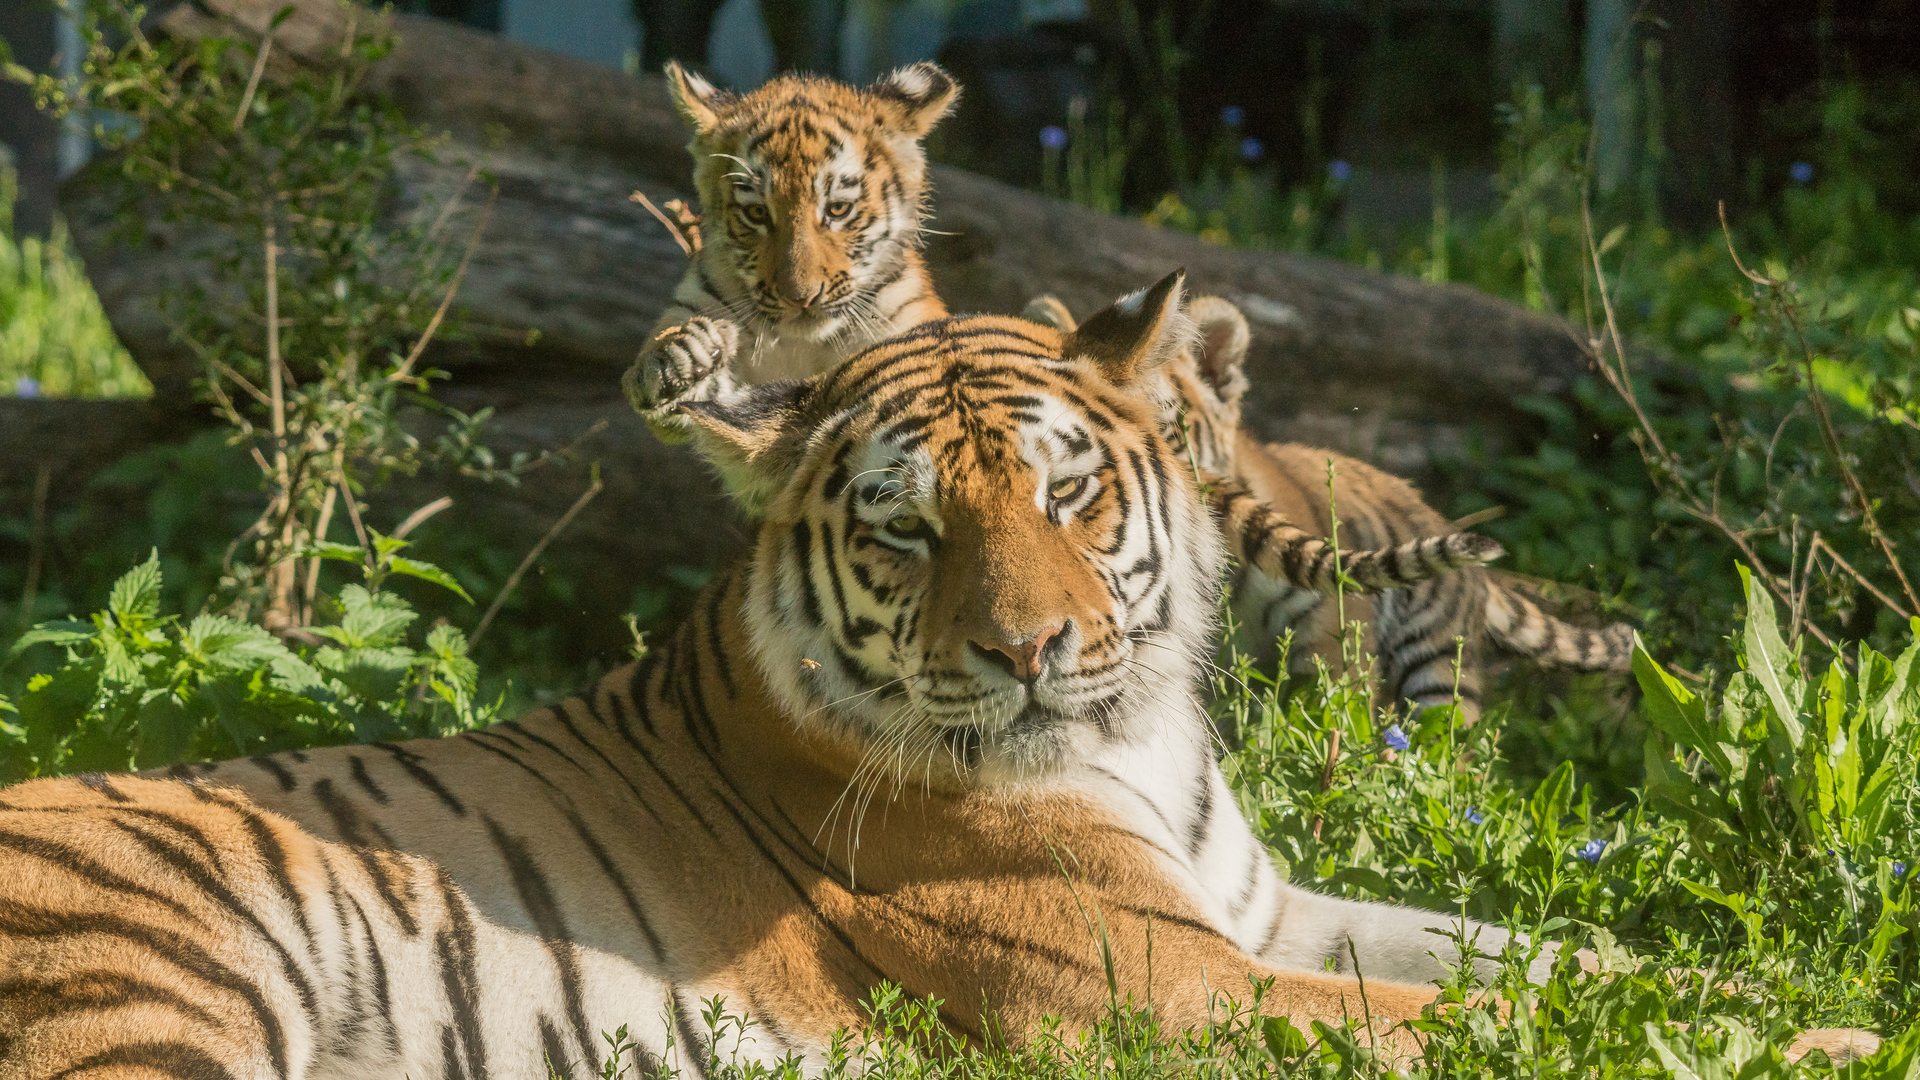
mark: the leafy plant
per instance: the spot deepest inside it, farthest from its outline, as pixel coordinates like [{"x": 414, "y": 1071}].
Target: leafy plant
[{"x": 137, "y": 689}]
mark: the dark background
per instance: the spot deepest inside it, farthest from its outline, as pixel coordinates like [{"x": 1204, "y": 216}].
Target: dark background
[{"x": 1389, "y": 87}]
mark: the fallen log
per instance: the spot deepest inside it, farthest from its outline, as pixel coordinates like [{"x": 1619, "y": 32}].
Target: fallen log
[{"x": 1375, "y": 365}]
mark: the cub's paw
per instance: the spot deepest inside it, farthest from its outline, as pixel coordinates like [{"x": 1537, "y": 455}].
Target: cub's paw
[{"x": 683, "y": 363}]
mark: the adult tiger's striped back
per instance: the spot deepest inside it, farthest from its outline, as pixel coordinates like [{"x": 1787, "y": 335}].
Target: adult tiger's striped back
[{"x": 962, "y": 653}]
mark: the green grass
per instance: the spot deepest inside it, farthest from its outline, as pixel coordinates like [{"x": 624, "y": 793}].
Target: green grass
[{"x": 54, "y": 337}]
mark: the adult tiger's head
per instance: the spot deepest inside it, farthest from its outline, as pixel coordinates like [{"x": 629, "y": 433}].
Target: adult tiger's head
[
  {"x": 813, "y": 193},
  {"x": 980, "y": 561}
]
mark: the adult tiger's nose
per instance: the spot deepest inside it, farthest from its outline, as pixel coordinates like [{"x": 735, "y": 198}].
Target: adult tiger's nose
[{"x": 1024, "y": 660}]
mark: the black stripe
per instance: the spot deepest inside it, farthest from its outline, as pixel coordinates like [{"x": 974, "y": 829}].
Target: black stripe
[
  {"x": 30, "y": 1001},
  {"x": 221, "y": 894},
  {"x": 620, "y": 883},
  {"x": 102, "y": 785},
  {"x": 453, "y": 946},
  {"x": 278, "y": 771},
  {"x": 358, "y": 768},
  {"x": 73, "y": 861},
  {"x": 559, "y": 1065},
  {"x": 348, "y": 823},
  {"x": 187, "y": 954},
  {"x": 175, "y": 1059},
  {"x": 536, "y": 898},
  {"x": 410, "y": 762},
  {"x": 382, "y": 989}
]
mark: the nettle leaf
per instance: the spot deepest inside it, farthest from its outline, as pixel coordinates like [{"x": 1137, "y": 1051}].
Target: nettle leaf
[
  {"x": 426, "y": 571},
  {"x": 372, "y": 620},
  {"x": 135, "y": 599},
  {"x": 54, "y": 633},
  {"x": 228, "y": 643},
  {"x": 330, "y": 549}
]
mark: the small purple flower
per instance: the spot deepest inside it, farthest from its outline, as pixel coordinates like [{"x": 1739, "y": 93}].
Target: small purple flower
[
  {"x": 1339, "y": 171},
  {"x": 1233, "y": 116},
  {"x": 1475, "y": 817},
  {"x": 1899, "y": 870},
  {"x": 26, "y": 386},
  {"x": 1252, "y": 149},
  {"x": 1395, "y": 738},
  {"x": 1053, "y": 137},
  {"x": 1590, "y": 851},
  {"x": 1802, "y": 172}
]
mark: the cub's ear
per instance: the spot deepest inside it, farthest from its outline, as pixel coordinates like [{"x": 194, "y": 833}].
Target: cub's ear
[
  {"x": 1222, "y": 354},
  {"x": 1136, "y": 333},
  {"x": 754, "y": 436},
  {"x": 1047, "y": 310},
  {"x": 699, "y": 102},
  {"x": 922, "y": 93}
]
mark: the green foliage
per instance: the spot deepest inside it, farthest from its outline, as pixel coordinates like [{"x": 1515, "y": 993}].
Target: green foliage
[
  {"x": 135, "y": 689},
  {"x": 54, "y": 337}
]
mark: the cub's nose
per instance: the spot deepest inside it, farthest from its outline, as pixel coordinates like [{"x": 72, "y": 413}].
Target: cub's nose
[
  {"x": 798, "y": 296},
  {"x": 1024, "y": 660}
]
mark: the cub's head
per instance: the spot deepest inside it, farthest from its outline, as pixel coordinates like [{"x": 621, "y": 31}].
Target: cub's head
[
  {"x": 980, "y": 560},
  {"x": 1200, "y": 388},
  {"x": 813, "y": 192}
]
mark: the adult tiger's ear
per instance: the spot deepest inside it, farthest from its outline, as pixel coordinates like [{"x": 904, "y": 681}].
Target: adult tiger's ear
[
  {"x": 753, "y": 437},
  {"x": 1222, "y": 352},
  {"x": 921, "y": 96},
  {"x": 1136, "y": 333},
  {"x": 698, "y": 101}
]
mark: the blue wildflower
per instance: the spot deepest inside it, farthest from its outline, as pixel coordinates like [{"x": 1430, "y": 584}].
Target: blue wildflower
[
  {"x": 1053, "y": 137},
  {"x": 26, "y": 386},
  {"x": 1475, "y": 817},
  {"x": 1802, "y": 172},
  {"x": 1252, "y": 149},
  {"x": 1899, "y": 870},
  {"x": 1590, "y": 851},
  {"x": 1395, "y": 737},
  {"x": 1340, "y": 171},
  {"x": 1233, "y": 116}
]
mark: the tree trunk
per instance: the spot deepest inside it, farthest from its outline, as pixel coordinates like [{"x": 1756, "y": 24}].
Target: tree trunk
[{"x": 1374, "y": 365}]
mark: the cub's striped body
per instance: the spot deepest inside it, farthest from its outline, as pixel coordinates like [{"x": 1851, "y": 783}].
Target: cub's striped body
[
  {"x": 943, "y": 710},
  {"x": 1430, "y": 630},
  {"x": 813, "y": 194}
]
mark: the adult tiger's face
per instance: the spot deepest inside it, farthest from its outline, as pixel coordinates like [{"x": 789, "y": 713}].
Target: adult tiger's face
[
  {"x": 813, "y": 192},
  {"x": 980, "y": 561}
]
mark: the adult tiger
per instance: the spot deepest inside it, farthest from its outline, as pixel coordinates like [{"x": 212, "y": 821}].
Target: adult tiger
[
  {"x": 1428, "y": 635},
  {"x": 813, "y": 194},
  {"x": 942, "y": 711}
]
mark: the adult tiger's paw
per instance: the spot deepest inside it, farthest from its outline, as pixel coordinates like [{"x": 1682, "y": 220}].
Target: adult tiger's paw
[{"x": 688, "y": 362}]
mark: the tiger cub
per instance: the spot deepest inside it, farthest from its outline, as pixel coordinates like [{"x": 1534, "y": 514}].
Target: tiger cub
[
  {"x": 1418, "y": 633},
  {"x": 813, "y": 193}
]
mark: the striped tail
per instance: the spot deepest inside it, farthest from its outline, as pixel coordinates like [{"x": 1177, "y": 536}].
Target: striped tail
[
  {"x": 1519, "y": 626},
  {"x": 1284, "y": 552}
]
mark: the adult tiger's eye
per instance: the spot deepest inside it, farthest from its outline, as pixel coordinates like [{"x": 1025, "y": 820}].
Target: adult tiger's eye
[
  {"x": 1066, "y": 488},
  {"x": 905, "y": 524},
  {"x": 839, "y": 209},
  {"x": 757, "y": 213}
]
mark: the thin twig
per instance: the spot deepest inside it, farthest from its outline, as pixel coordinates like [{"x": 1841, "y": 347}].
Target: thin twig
[
  {"x": 415, "y": 519},
  {"x": 672, "y": 228},
  {"x": 353, "y": 515},
  {"x": 513, "y": 580},
  {"x": 1326, "y": 775},
  {"x": 1819, "y": 398},
  {"x": 36, "y": 544},
  {"x": 453, "y": 289},
  {"x": 1822, "y": 544},
  {"x": 313, "y": 565},
  {"x": 253, "y": 82}
]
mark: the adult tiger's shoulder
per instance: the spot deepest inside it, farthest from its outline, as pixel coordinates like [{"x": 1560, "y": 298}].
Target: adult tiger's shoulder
[{"x": 813, "y": 193}]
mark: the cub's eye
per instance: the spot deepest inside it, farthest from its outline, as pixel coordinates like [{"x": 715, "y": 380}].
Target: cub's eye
[
  {"x": 1066, "y": 489},
  {"x": 756, "y": 213},
  {"x": 838, "y": 209}
]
